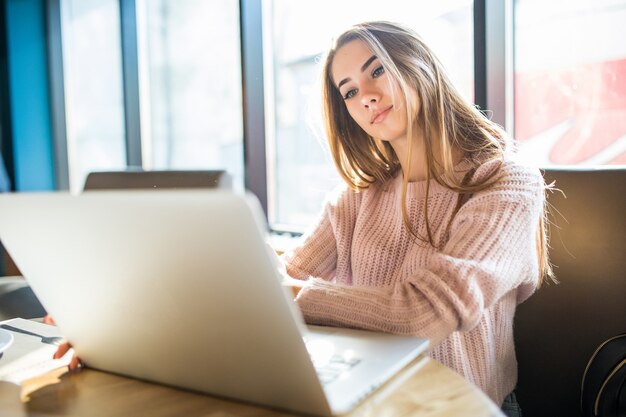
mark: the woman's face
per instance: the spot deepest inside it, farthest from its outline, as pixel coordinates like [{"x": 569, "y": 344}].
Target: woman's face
[{"x": 367, "y": 91}]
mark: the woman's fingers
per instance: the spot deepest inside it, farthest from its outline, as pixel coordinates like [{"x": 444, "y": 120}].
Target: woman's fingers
[
  {"x": 295, "y": 291},
  {"x": 75, "y": 363},
  {"x": 63, "y": 348}
]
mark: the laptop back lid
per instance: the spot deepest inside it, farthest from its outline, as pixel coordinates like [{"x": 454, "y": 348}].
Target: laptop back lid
[{"x": 174, "y": 287}]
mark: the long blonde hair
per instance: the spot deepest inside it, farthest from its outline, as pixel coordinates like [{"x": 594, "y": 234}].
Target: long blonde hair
[{"x": 448, "y": 121}]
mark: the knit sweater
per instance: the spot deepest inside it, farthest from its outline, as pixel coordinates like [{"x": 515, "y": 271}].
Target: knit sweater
[{"x": 364, "y": 270}]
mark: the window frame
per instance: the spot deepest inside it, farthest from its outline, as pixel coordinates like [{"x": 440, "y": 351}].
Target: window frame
[{"x": 492, "y": 71}]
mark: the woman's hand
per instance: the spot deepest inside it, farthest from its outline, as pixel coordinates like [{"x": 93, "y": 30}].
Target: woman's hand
[
  {"x": 295, "y": 290},
  {"x": 75, "y": 363},
  {"x": 295, "y": 285}
]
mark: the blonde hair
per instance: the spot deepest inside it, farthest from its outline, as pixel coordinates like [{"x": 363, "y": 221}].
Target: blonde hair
[{"x": 448, "y": 122}]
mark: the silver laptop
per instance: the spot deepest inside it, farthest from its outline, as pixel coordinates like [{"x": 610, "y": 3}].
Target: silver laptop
[{"x": 180, "y": 288}]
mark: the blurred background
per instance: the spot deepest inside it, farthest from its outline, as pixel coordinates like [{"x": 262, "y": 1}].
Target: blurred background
[{"x": 89, "y": 85}]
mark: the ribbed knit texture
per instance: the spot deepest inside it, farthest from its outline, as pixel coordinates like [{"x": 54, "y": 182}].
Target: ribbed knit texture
[{"x": 365, "y": 271}]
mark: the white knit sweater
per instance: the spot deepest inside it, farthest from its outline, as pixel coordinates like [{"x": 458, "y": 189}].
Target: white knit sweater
[{"x": 365, "y": 271}]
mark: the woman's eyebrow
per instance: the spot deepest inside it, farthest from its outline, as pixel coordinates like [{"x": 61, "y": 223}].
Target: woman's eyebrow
[{"x": 363, "y": 68}]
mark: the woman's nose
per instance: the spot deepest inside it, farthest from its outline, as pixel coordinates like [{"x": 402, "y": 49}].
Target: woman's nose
[{"x": 370, "y": 97}]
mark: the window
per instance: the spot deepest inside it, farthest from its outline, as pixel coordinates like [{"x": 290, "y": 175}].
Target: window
[
  {"x": 190, "y": 81},
  {"x": 93, "y": 87},
  {"x": 298, "y": 162},
  {"x": 570, "y": 81}
]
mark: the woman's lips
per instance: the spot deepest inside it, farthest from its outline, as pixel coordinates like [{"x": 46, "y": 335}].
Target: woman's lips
[{"x": 380, "y": 116}]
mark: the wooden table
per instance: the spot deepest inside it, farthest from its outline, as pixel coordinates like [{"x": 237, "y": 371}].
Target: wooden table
[{"x": 424, "y": 388}]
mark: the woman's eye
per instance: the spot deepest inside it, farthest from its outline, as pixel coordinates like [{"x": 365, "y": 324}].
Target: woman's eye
[
  {"x": 378, "y": 72},
  {"x": 349, "y": 94}
]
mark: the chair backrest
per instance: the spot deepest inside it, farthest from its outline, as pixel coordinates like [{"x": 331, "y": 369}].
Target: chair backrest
[
  {"x": 18, "y": 300},
  {"x": 559, "y": 327},
  {"x": 16, "y": 297},
  {"x": 139, "y": 179}
]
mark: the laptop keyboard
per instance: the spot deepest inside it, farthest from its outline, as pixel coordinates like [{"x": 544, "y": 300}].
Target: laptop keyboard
[
  {"x": 332, "y": 369},
  {"x": 330, "y": 361}
]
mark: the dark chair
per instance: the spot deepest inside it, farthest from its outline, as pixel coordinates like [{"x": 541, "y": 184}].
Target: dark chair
[
  {"x": 16, "y": 297},
  {"x": 18, "y": 300},
  {"x": 558, "y": 328},
  {"x": 139, "y": 179}
]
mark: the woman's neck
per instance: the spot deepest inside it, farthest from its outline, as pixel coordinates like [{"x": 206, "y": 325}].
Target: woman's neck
[{"x": 418, "y": 170}]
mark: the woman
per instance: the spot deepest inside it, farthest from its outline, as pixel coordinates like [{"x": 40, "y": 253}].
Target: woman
[{"x": 438, "y": 232}]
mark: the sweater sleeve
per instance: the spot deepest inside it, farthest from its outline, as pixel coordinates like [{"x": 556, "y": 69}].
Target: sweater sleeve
[
  {"x": 491, "y": 250},
  {"x": 316, "y": 254}
]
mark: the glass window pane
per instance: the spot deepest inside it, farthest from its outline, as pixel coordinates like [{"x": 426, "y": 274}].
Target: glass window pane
[
  {"x": 300, "y": 169},
  {"x": 190, "y": 77},
  {"x": 570, "y": 81},
  {"x": 93, "y": 87}
]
